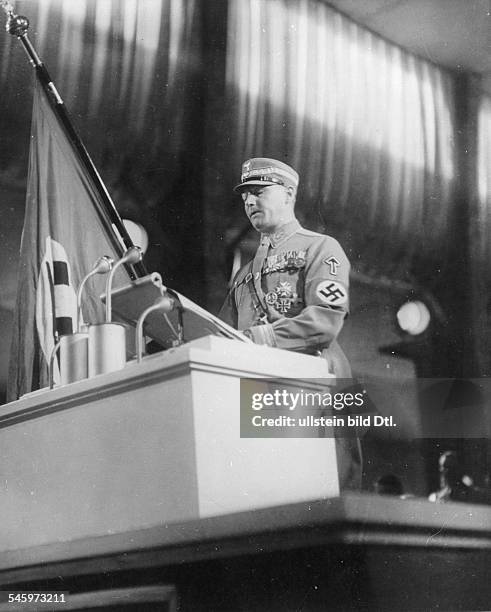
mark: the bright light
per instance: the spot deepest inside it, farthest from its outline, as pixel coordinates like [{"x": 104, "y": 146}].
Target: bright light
[
  {"x": 413, "y": 317},
  {"x": 137, "y": 233}
]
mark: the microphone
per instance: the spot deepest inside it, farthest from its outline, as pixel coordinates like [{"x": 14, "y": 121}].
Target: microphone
[
  {"x": 164, "y": 303},
  {"x": 102, "y": 266},
  {"x": 107, "y": 341},
  {"x": 73, "y": 348},
  {"x": 132, "y": 256}
]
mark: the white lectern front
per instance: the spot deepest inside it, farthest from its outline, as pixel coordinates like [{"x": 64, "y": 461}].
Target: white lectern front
[{"x": 155, "y": 443}]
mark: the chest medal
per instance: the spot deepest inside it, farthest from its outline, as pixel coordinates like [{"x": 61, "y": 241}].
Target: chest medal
[
  {"x": 282, "y": 297},
  {"x": 286, "y": 260}
]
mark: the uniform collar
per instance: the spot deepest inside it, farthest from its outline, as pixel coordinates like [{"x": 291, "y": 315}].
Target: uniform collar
[{"x": 285, "y": 231}]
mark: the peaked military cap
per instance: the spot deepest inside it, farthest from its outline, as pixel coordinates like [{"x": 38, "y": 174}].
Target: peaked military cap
[{"x": 266, "y": 171}]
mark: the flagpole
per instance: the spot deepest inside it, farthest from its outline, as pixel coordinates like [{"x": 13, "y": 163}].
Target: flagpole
[{"x": 17, "y": 25}]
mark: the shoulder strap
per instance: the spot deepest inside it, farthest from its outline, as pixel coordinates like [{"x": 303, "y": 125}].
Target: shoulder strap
[{"x": 257, "y": 266}]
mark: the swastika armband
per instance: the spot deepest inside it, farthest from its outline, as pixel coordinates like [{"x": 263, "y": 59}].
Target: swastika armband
[{"x": 332, "y": 293}]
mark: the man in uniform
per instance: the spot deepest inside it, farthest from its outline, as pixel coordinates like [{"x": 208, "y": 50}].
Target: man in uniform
[{"x": 294, "y": 294}]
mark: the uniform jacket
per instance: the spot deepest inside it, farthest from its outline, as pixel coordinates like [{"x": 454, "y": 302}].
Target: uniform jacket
[{"x": 302, "y": 299}]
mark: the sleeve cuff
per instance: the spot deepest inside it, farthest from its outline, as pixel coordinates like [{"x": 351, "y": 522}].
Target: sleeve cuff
[{"x": 262, "y": 334}]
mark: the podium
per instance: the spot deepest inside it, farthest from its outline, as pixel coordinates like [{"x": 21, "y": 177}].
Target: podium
[
  {"x": 155, "y": 443},
  {"x": 135, "y": 487}
]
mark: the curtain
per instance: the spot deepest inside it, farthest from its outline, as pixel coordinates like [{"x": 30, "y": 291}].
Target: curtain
[
  {"x": 368, "y": 126},
  {"x": 480, "y": 238},
  {"x": 130, "y": 74},
  {"x": 123, "y": 69},
  {"x": 484, "y": 184}
]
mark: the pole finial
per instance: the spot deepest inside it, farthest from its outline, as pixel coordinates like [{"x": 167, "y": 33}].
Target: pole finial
[{"x": 17, "y": 25}]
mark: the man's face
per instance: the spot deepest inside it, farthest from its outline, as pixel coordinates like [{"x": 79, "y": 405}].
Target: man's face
[{"x": 268, "y": 207}]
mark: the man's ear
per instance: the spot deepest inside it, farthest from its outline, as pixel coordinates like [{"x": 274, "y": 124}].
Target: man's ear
[{"x": 291, "y": 194}]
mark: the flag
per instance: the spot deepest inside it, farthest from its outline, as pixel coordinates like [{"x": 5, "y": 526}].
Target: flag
[{"x": 63, "y": 236}]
